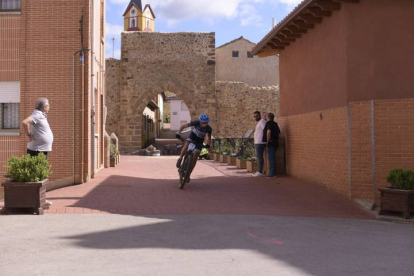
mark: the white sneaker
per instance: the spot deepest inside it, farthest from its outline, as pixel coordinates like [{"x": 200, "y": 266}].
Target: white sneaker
[{"x": 258, "y": 174}]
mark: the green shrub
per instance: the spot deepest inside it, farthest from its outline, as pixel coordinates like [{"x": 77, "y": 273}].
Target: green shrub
[
  {"x": 112, "y": 150},
  {"x": 401, "y": 179},
  {"x": 28, "y": 168}
]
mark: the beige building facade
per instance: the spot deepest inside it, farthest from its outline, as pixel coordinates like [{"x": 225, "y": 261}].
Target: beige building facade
[{"x": 235, "y": 63}]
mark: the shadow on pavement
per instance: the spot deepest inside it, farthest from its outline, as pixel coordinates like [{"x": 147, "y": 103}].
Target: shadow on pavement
[{"x": 320, "y": 247}]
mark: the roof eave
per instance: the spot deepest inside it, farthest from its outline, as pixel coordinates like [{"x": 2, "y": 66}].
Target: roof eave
[{"x": 280, "y": 26}]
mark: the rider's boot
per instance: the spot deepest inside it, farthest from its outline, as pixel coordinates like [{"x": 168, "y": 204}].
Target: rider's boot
[{"x": 179, "y": 162}]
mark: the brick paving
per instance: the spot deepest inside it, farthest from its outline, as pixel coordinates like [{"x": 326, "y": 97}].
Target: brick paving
[{"x": 149, "y": 186}]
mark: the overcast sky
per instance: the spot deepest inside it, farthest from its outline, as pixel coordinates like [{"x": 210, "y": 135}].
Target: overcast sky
[{"x": 229, "y": 19}]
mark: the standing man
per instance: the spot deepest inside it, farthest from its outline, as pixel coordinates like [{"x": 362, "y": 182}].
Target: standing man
[
  {"x": 271, "y": 137},
  {"x": 259, "y": 144},
  {"x": 37, "y": 128}
]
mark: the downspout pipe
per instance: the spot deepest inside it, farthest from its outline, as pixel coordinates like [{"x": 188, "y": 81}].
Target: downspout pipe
[
  {"x": 92, "y": 89},
  {"x": 74, "y": 116}
]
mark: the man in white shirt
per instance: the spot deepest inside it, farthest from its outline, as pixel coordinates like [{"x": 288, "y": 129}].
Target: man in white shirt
[{"x": 258, "y": 142}]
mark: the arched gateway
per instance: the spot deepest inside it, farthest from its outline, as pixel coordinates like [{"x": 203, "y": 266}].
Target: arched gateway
[{"x": 152, "y": 63}]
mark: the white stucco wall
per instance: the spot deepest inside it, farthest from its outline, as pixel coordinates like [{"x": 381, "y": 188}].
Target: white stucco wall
[{"x": 176, "y": 120}]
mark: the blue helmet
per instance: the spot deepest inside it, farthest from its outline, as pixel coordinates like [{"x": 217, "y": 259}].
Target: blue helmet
[{"x": 204, "y": 118}]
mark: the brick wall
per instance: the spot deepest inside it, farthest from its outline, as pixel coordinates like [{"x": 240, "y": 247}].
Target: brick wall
[
  {"x": 48, "y": 39},
  {"x": 380, "y": 135},
  {"x": 236, "y": 103},
  {"x": 317, "y": 147}
]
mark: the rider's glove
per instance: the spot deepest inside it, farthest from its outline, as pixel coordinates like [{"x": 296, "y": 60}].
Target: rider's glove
[{"x": 177, "y": 135}]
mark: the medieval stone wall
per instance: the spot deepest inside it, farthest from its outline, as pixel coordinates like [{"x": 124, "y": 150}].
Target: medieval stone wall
[
  {"x": 236, "y": 103},
  {"x": 112, "y": 75},
  {"x": 152, "y": 63},
  {"x": 182, "y": 63}
]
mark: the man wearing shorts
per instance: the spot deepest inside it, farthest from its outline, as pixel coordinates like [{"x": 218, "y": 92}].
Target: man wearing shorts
[{"x": 201, "y": 130}]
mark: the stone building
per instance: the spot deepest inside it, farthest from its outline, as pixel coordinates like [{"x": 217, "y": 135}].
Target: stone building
[
  {"x": 40, "y": 52},
  {"x": 347, "y": 92},
  {"x": 235, "y": 63},
  {"x": 184, "y": 64}
]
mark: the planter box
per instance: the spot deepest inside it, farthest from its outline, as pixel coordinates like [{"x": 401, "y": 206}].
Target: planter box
[
  {"x": 112, "y": 162},
  {"x": 25, "y": 195},
  {"x": 223, "y": 158},
  {"x": 241, "y": 164},
  {"x": 212, "y": 156},
  {"x": 231, "y": 160},
  {"x": 217, "y": 157},
  {"x": 397, "y": 201},
  {"x": 252, "y": 167}
]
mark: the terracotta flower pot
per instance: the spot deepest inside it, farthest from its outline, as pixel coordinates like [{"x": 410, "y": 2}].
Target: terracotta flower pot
[
  {"x": 252, "y": 166},
  {"x": 397, "y": 201},
  {"x": 241, "y": 164},
  {"x": 25, "y": 195}
]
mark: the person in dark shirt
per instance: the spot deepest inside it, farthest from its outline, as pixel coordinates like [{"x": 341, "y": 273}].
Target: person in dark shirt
[
  {"x": 201, "y": 131},
  {"x": 271, "y": 137}
]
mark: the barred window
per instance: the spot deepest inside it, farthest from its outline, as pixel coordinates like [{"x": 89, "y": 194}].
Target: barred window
[
  {"x": 9, "y": 115},
  {"x": 10, "y": 5}
]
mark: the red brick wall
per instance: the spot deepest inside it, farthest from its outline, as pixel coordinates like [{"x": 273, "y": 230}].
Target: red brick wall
[
  {"x": 394, "y": 137},
  {"x": 317, "y": 149},
  {"x": 48, "y": 38}
]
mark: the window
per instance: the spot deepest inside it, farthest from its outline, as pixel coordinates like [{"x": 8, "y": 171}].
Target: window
[
  {"x": 133, "y": 23},
  {"x": 9, "y": 115},
  {"x": 9, "y": 5},
  {"x": 235, "y": 54},
  {"x": 148, "y": 24},
  {"x": 133, "y": 11},
  {"x": 249, "y": 55}
]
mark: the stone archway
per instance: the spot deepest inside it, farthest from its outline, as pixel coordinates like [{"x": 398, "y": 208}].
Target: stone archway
[{"x": 152, "y": 63}]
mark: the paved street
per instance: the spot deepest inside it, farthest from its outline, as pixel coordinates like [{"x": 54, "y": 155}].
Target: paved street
[{"x": 133, "y": 220}]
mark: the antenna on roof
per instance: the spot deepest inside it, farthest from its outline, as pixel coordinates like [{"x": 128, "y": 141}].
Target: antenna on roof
[
  {"x": 273, "y": 22},
  {"x": 113, "y": 46}
]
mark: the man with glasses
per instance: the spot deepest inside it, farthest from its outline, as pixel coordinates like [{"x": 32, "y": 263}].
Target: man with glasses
[{"x": 258, "y": 142}]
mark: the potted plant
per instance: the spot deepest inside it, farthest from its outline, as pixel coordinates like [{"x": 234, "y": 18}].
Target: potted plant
[
  {"x": 241, "y": 162},
  {"x": 112, "y": 159},
  {"x": 27, "y": 186},
  {"x": 251, "y": 164},
  {"x": 217, "y": 156},
  {"x": 400, "y": 196},
  {"x": 223, "y": 157},
  {"x": 232, "y": 158}
]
